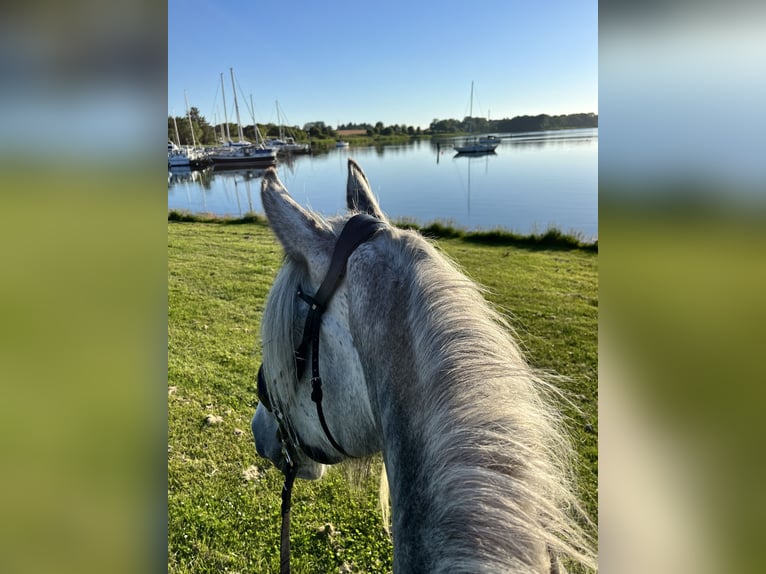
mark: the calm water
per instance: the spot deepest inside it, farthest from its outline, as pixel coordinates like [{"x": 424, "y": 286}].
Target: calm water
[{"x": 534, "y": 180}]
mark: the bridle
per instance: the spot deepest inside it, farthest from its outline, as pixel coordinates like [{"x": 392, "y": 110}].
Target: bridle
[{"x": 358, "y": 229}]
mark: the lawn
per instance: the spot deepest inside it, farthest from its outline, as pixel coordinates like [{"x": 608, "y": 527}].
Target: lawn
[{"x": 223, "y": 500}]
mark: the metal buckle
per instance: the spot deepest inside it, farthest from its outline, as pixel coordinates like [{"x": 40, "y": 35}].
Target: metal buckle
[{"x": 286, "y": 453}]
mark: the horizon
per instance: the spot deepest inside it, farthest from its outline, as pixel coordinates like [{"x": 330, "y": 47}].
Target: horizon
[
  {"x": 365, "y": 64},
  {"x": 232, "y": 121}
]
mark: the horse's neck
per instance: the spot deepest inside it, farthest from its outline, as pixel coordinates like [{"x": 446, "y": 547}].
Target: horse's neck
[
  {"x": 439, "y": 478},
  {"x": 456, "y": 415},
  {"x": 442, "y": 492}
]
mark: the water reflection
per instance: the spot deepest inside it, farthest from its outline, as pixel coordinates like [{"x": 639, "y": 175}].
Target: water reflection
[
  {"x": 532, "y": 181},
  {"x": 233, "y": 187},
  {"x": 469, "y": 159},
  {"x": 178, "y": 175}
]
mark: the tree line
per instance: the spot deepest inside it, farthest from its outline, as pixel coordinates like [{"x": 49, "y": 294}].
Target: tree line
[
  {"x": 516, "y": 124},
  {"x": 379, "y": 129},
  {"x": 207, "y": 134}
]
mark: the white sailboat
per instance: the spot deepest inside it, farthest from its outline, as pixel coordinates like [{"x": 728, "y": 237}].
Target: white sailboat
[
  {"x": 242, "y": 152},
  {"x": 177, "y": 156},
  {"x": 286, "y": 144},
  {"x": 185, "y": 157},
  {"x": 477, "y": 145}
]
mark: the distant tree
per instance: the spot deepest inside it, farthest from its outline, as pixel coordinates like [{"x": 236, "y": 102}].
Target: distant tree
[
  {"x": 204, "y": 133},
  {"x": 184, "y": 131},
  {"x": 208, "y": 135},
  {"x": 319, "y": 130},
  {"x": 479, "y": 125},
  {"x": 445, "y": 126},
  {"x": 320, "y": 126},
  {"x": 195, "y": 116}
]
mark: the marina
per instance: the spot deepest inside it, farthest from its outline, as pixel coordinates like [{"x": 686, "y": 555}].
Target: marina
[{"x": 532, "y": 181}]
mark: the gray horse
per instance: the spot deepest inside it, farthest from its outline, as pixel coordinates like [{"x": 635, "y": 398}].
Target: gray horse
[{"x": 416, "y": 365}]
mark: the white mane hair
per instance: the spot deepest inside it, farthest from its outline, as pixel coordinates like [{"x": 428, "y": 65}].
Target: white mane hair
[{"x": 503, "y": 457}]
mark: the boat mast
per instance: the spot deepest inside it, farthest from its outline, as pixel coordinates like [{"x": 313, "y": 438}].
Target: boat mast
[
  {"x": 470, "y": 113},
  {"x": 175, "y": 125},
  {"x": 257, "y": 132},
  {"x": 279, "y": 121},
  {"x": 236, "y": 107},
  {"x": 188, "y": 116},
  {"x": 225, "y": 114},
  {"x": 223, "y": 135}
]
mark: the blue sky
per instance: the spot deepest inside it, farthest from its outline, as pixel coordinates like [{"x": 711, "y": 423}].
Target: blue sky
[{"x": 392, "y": 61}]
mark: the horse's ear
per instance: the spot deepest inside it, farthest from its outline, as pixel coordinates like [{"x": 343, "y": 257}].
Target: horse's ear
[
  {"x": 303, "y": 236},
  {"x": 358, "y": 193}
]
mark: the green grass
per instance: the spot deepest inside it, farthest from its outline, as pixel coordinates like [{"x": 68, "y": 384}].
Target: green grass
[
  {"x": 551, "y": 238},
  {"x": 218, "y": 277}
]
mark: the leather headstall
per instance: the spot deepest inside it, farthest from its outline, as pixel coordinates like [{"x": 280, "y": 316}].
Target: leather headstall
[{"x": 358, "y": 229}]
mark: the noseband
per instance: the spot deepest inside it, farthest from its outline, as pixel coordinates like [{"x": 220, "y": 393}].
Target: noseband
[{"x": 359, "y": 229}]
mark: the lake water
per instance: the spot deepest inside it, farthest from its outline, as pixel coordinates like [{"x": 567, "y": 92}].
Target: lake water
[{"x": 533, "y": 181}]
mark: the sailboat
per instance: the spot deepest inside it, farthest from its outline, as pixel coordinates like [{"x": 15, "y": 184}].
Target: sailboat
[
  {"x": 286, "y": 144},
  {"x": 242, "y": 152},
  {"x": 477, "y": 145},
  {"x": 185, "y": 157}
]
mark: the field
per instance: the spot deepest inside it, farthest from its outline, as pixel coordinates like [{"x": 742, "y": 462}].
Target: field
[{"x": 223, "y": 500}]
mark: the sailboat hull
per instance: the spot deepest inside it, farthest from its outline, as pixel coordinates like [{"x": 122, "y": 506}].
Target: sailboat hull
[
  {"x": 476, "y": 147},
  {"x": 246, "y": 155},
  {"x": 481, "y": 145}
]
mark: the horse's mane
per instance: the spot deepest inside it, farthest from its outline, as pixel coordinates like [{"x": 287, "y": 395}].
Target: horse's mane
[
  {"x": 502, "y": 459},
  {"x": 280, "y": 326},
  {"x": 498, "y": 451}
]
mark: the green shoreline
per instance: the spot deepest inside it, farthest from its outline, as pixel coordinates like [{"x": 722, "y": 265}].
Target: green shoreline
[{"x": 551, "y": 238}]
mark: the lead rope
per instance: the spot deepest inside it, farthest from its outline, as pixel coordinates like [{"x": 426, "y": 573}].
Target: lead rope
[{"x": 284, "y": 539}]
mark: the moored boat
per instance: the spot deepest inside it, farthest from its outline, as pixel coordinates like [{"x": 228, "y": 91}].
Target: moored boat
[
  {"x": 287, "y": 145},
  {"x": 186, "y": 156},
  {"x": 477, "y": 145},
  {"x": 489, "y": 139},
  {"x": 242, "y": 153}
]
